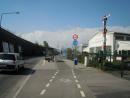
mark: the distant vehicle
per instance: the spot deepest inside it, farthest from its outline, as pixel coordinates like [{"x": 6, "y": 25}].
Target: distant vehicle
[
  {"x": 11, "y": 62},
  {"x": 49, "y": 58}
]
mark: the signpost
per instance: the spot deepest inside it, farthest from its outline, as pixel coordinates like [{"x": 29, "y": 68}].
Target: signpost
[
  {"x": 75, "y": 43},
  {"x": 75, "y": 36}
]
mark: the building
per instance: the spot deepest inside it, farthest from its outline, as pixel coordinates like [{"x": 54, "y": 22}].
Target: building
[
  {"x": 115, "y": 41},
  {"x": 9, "y": 42}
]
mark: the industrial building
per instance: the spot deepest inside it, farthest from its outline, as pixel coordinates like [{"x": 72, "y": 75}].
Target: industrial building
[
  {"x": 115, "y": 41},
  {"x": 9, "y": 42}
]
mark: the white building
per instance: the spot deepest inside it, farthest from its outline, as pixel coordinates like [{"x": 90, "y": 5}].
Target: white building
[{"x": 114, "y": 41}]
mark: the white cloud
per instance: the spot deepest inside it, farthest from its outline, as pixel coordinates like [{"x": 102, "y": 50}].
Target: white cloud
[
  {"x": 120, "y": 29},
  {"x": 63, "y": 38}
]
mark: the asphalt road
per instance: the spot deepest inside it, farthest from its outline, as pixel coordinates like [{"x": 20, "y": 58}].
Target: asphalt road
[
  {"x": 41, "y": 79},
  {"x": 61, "y": 79}
]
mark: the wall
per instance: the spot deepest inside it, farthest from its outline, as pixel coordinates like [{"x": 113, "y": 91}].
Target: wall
[
  {"x": 14, "y": 42},
  {"x": 96, "y": 42}
]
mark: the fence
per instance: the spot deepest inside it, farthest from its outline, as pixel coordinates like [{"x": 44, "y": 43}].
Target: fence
[{"x": 117, "y": 61}]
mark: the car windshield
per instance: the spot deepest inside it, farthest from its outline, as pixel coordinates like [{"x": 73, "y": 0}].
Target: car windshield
[{"x": 7, "y": 57}]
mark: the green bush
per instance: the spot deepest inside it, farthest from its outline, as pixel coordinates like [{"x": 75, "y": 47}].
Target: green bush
[{"x": 111, "y": 65}]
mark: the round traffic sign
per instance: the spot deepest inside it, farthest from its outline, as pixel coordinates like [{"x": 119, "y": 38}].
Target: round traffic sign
[
  {"x": 75, "y": 42},
  {"x": 75, "y": 36}
]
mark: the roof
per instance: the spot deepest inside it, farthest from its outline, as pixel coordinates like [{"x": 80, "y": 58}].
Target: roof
[
  {"x": 112, "y": 32},
  {"x": 9, "y": 53},
  {"x": 120, "y": 33},
  {"x": 4, "y": 33}
]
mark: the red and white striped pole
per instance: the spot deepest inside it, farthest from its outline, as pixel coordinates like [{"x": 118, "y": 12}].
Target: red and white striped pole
[{"x": 104, "y": 34}]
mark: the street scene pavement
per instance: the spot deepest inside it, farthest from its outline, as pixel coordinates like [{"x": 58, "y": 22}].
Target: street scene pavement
[{"x": 61, "y": 79}]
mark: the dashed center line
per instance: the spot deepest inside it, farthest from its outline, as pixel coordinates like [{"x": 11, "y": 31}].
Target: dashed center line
[
  {"x": 57, "y": 72},
  {"x": 50, "y": 80},
  {"x": 48, "y": 84},
  {"x": 78, "y": 86},
  {"x": 82, "y": 94},
  {"x": 76, "y": 81},
  {"x": 43, "y": 92},
  {"x": 53, "y": 77},
  {"x": 74, "y": 76}
]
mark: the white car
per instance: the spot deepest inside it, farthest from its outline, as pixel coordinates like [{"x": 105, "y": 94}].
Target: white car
[{"x": 11, "y": 61}]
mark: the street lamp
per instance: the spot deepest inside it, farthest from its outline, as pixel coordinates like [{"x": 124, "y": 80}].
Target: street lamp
[
  {"x": 6, "y": 13},
  {"x": 104, "y": 32}
]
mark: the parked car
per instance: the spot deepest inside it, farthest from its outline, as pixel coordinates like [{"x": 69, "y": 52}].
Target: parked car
[{"x": 11, "y": 61}]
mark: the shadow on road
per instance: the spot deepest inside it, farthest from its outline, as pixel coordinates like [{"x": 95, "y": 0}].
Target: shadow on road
[
  {"x": 60, "y": 61},
  {"x": 25, "y": 71}
]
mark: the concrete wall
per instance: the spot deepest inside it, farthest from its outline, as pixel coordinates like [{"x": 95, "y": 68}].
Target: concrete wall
[{"x": 96, "y": 42}]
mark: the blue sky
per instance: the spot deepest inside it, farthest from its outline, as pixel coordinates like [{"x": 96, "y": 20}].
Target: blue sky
[{"x": 52, "y": 15}]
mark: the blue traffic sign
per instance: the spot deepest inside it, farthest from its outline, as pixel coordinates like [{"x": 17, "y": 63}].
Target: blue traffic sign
[{"x": 75, "y": 42}]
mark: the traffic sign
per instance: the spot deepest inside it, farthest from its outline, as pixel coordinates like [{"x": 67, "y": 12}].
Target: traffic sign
[
  {"x": 75, "y": 42},
  {"x": 75, "y": 36}
]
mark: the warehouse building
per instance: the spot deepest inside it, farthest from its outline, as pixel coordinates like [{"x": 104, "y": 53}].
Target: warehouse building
[
  {"x": 12, "y": 43},
  {"x": 115, "y": 41}
]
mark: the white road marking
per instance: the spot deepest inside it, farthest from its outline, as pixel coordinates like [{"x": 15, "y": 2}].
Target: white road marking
[
  {"x": 53, "y": 77},
  {"x": 48, "y": 84},
  {"x": 57, "y": 72},
  {"x": 43, "y": 92},
  {"x": 82, "y": 94},
  {"x": 73, "y": 72},
  {"x": 78, "y": 86},
  {"x": 21, "y": 87},
  {"x": 50, "y": 80},
  {"x": 74, "y": 76},
  {"x": 76, "y": 81},
  {"x": 44, "y": 62}
]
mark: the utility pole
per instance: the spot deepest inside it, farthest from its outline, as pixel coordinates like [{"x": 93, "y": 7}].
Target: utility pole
[
  {"x": 1, "y": 16},
  {"x": 104, "y": 34}
]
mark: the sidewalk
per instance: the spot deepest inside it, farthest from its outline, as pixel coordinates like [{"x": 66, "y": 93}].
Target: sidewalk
[{"x": 101, "y": 84}]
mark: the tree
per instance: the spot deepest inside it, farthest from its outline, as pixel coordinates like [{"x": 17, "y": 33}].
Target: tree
[
  {"x": 69, "y": 53},
  {"x": 45, "y": 44},
  {"x": 36, "y": 43}
]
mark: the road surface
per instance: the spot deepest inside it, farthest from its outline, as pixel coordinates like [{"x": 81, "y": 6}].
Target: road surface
[{"x": 61, "y": 79}]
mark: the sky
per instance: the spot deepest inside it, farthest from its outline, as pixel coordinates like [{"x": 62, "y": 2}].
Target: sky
[{"x": 57, "y": 20}]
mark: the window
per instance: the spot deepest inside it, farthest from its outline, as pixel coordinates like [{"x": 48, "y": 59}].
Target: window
[
  {"x": 128, "y": 38},
  {"x": 7, "y": 57},
  {"x": 119, "y": 37}
]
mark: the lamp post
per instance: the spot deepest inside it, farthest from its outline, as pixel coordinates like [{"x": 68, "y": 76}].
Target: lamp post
[
  {"x": 104, "y": 33},
  {"x": 1, "y": 16}
]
